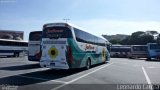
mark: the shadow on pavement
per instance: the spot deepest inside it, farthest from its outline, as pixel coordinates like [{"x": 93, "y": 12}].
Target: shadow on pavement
[
  {"x": 37, "y": 77},
  {"x": 44, "y": 76},
  {"x": 21, "y": 67},
  {"x": 152, "y": 60}
]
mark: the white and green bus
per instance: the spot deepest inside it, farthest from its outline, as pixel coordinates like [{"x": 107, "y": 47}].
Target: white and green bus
[{"x": 64, "y": 46}]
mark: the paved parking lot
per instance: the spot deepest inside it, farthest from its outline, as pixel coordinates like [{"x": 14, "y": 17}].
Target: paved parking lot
[{"x": 118, "y": 74}]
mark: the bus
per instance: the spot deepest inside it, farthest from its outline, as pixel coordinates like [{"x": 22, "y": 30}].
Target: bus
[
  {"x": 64, "y": 46},
  {"x": 34, "y": 53},
  {"x": 153, "y": 51},
  {"x": 138, "y": 51},
  {"x": 120, "y": 51},
  {"x": 14, "y": 48}
]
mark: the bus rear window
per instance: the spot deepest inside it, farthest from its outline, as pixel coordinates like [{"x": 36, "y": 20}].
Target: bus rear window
[
  {"x": 154, "y": 46},
  {"x": 57, "y": 32},
  {"x": 35, "y": 36},
  {"x": 140, "y": 48}
]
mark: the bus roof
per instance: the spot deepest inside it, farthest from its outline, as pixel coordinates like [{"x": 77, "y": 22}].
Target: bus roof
[
  {"x": 13, "y": 40},
  {"x": 35, "y": 31},
  {"x": 62, "y": 23},
  {"x": 75, "y": 26},
  {"x": 138, "y": 45}
]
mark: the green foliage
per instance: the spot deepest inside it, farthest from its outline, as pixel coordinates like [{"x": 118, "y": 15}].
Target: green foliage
[
  {"x": 153, "y": 32},
  {"x": 138, "y": 38},
  {"x": 115, "y": 41},
  {"x": 126, "y": 41},
  {"x": 135, "y": 37}
]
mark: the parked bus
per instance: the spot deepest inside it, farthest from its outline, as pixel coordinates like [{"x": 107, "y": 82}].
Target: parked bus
[
  {"x": 138, "y": 51},
  {"x": 120, "y": 51},
  {"x": 13, "y": 48},
  {"x": 34, "y": 53},
  {"x": 64, "y": 46},
  {"x": 153, "y": 51}
]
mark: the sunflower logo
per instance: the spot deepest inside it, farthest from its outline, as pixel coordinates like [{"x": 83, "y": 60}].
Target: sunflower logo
[
  {"x": 53, "y": 52},
  {"x": 103, "y": 54}
]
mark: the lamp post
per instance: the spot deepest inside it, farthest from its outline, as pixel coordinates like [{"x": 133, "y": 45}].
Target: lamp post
[{"x": 66, "y": 19}]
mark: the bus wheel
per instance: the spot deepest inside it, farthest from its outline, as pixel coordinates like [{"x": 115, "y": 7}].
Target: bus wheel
[
  {"x": 16, "y": 54},
  {"x": 131, "y": 58},
  {"x": 88, "y": 64},
  {"x": 148, "y": 59}
]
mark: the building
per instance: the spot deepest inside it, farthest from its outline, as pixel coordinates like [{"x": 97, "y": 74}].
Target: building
[{"x": 12, "y": 35}]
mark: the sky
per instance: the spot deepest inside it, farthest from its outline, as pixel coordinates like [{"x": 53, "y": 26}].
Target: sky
[{"x": 95, "y": 16}]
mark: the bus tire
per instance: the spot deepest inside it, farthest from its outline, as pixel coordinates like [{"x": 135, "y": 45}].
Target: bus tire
[
  {"x": 105, "y": 61},
  {"x": 88, "y": 64},
  {"x": 131, "y": 57},
  {"x": 9, "y": 56},
  {"x": 16, "y": 54},
  {"x": 148, "y": 59}
]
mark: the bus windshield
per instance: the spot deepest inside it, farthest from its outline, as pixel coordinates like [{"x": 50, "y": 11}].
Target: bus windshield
[
  {"x": 35, "y": 36},
  {"x": 140, "y": 48},
  {"x": 57, "y": 32},
  {"x": 154, "y": 46}
]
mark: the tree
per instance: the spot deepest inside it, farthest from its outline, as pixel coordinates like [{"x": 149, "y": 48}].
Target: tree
[
  {"x": 135, "y": 37},
  {"x": 114, "y": 41},
  {"x": 126, "y": 41},
  {"x": 138, "y": 38},
  {"x": 152, "y": 32},
  {"x": 146, "y": 39}
]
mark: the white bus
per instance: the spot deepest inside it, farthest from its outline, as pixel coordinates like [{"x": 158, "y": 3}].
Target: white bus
[
  {"x": 120, "y": 51},
  {"x": 13, "y": 48},
  {"x": 34, "y": 53},
  {"x": 138, "y": 51},
  {"x": 65, "y": 46}
]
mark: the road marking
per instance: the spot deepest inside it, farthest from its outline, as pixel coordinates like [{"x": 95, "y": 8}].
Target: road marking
[
  {"x": 42, "y": 79},
  {"x": 153, "y": 67},
  {"x": 145, "y": 74},
  {"x": 81, "y": 77}
]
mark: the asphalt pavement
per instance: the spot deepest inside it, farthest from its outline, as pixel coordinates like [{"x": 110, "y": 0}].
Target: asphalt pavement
[{"x": 118, "y": 74}]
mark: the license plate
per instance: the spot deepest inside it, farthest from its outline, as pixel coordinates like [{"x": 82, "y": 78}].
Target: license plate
[{"x": 52, "y": 64}]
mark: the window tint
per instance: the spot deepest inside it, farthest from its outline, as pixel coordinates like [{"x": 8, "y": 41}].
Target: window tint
[
  {"x": 140, "y": 48},
  {"x": 57, "y": 32},
  {"x": 12, "y": 43},
  {"x": 120, "y": 49},
  {"x": 82, "y": 36},
  {"x": 154, "y": 46},
  {"x": 35, "y": 36}
]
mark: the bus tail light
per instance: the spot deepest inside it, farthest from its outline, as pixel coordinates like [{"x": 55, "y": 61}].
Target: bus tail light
[
  {"x": 70, "y": 59},
  {"x": 38, "y": 55}
]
